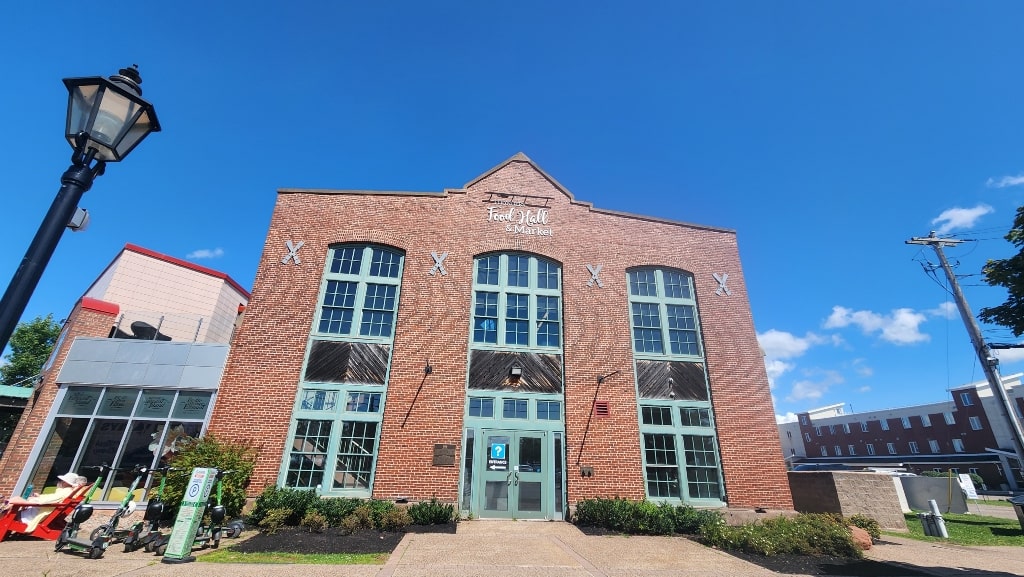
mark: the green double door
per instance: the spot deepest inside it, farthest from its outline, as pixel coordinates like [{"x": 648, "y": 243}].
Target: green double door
[{"x": 517, "y": 478}]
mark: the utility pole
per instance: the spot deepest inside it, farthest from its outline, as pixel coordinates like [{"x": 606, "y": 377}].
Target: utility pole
[{"x": 989, "y": 363}]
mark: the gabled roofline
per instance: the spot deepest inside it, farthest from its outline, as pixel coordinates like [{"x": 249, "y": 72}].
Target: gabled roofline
[
  {"x": 520, "y": 157},
  {"x": 517, "y": 157}
]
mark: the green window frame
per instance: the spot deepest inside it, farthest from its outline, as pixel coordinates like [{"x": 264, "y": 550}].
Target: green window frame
[
  {"x": 335, "y": 431},
  {"x": 517, "y": 302},
  {"x": 678, "y": 437},
  {"x": 663, "y": 313},
  {"x": 359, "y": 294},
  {"x": 680, "y": 453},
  {"x": 334, "y": 441}
]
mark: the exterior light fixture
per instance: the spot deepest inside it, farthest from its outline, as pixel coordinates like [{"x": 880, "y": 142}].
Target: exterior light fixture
[
  {"x": 110, "y": 113},
  {"x": 106, "y": 119},
  {"x": 515, "y": 371}
]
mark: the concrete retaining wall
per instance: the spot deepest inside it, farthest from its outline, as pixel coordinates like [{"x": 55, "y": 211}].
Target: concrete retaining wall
[{"x": 848, "y": 493}]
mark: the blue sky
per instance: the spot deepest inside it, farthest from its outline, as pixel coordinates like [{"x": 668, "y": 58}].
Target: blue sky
[{"x": 825, "y": 133}]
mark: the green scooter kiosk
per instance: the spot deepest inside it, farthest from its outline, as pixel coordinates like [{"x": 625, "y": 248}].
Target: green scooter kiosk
[{"x": 190, "y": 515}]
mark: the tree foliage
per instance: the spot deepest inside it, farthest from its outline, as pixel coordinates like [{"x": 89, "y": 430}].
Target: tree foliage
[
  {"x": 30, "y": 344},
  {"x": 1008, "y": 273},
  {"x": 208, "y": 451}
]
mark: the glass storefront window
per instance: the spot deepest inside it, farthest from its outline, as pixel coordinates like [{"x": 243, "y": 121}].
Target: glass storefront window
[
  {"x": 191, "y": 405},
  {"x": 80, "y": 401},
  {"x": 119, "y": 427},
  {"x": 118, "y": 402},
  {"x": 155, "y": 404}
]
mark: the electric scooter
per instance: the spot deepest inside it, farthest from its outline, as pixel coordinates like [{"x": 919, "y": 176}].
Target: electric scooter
[
  {"x": 69, "y": 538},
  {"x": 108, "y": 533},
  {"x": 145, "y": 533},
  {"x": 209, "y": 534}
]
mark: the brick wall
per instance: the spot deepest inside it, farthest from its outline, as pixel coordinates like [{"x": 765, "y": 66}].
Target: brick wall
[
  {"x": 871, "y": 494},
  {"x": 89, "y": 318},
  {"x": 261, "y": 377}
]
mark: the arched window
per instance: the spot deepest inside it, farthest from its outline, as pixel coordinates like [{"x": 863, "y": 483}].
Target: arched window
[
  {"x": 360, "y": 292},
  {"x": 663, "y": 312},
  {"x": 677, "y": 425},
  {"x": 517, "y": 301},
  {"x": 335, "y": 430}
]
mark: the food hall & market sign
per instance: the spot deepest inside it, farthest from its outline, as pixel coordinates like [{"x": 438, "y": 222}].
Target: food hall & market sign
[{"x": 520, "y": 219}]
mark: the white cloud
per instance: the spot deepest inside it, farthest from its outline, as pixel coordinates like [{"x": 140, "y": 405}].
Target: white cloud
[
  {"x": 946, "y": 310},
  {"x": 783, "y": 345},
  {"x": 960, "y": 217},
  {"x": 816, "y": 387},
  {"x": 864, "y": 389},
  {"x": 787, "y": 418},
  {"x": 776, "y": 368},
  {"x": 778, "y": 345},
  {"x": 861, "y": 368},
  {"x": 1005, "y": 181},
  {"x": 898, "y": 327},
  {"x": 205, "y": 253}
]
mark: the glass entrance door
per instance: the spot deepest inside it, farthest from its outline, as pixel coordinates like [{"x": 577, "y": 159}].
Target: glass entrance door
[{"x": 517, "y": 477}]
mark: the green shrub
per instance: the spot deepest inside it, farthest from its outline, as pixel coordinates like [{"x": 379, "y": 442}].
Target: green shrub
[
  {"x": 868, "y": 524},
  {"x": 378, "y": 511},
  {"x": 689, "y": 520},
  {"x": 273, "y": 520},
  {"x": 610, "y": 514},
  {"x": 209, "y": 452},
  {"x": 363, "y": 516},
  {"x": 395, "y": 519},
  {"x": 314, "y": 521},
  {"x": 650, "y": 519},
  {"x": 351, "y": 524},
  {"x": 296, "y": 501},
  {"x": 349, "y": 513},
  {"x": 335, "y": 509},
  {"x": 432, "y": 512},
  {"x": 643, "y": 517},
  {"x": 805, "y": 534}
]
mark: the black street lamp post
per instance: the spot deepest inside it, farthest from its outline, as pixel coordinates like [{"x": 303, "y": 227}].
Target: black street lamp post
[{"x": 107, "y": 118}]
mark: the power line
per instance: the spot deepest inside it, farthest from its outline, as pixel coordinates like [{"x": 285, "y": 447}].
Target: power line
[{"x": 989, "y": 363}]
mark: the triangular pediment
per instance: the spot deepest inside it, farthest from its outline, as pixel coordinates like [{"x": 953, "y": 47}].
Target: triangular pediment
[{"x": 517, "y": 163}]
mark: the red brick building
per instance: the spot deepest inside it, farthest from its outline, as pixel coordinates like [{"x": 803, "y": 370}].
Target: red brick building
[
  {"x": 502, "y": 346},
  {"x": 969, "y": 433}
]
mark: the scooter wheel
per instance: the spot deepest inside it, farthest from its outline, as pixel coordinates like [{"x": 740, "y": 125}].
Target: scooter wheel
[
  {"x": 150, "y": 546},
  {"x": 99, "y": 532},
  {"x": 161, "y": 550},
  {"x": 95, "y": 552},
  {"x": 215, "y": 543},
  {"x": 59, "y": 544}
]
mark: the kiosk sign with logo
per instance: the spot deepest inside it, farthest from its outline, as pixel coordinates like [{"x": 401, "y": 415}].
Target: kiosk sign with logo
[{"x": 193, "y": 505}]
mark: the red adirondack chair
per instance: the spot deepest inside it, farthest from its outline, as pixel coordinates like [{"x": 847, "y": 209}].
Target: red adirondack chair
[{"x": 47, "y": 523}]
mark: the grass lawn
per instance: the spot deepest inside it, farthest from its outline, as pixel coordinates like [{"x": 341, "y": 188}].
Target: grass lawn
[
  {"x": 228, "y": 556},
  {"x": 992, "y": 501},
  {"x": 970, "y": 530}
]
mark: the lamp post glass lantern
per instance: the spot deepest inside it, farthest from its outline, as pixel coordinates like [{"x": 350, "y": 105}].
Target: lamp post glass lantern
[
  {"x": 106, "y": 119},
  {"x": 111, "y": 111}
]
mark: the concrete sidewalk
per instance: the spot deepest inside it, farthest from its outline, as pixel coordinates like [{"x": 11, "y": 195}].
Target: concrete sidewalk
[
  {"x": 510, "y": 549},
  {"x": 944, "y": 559}
]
